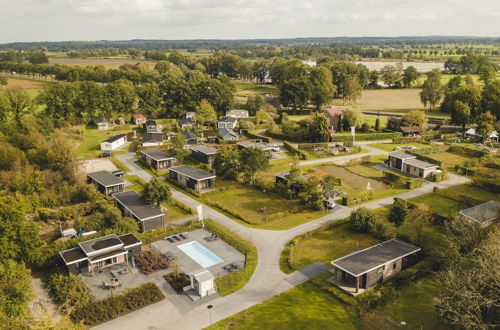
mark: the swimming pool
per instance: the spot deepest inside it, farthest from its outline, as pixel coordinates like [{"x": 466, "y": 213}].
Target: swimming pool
[{"x": 200, "y": 254}]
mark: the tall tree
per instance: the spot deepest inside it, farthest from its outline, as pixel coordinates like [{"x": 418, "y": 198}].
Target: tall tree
[
  {"x": 410, "y": 74},
  {"x": 432, "y": 91},
  {"x": 461, "y": 114},
  {"x": 485, "y": 124},
  {"x": 319, "y": 128},
  {"x": 178, "y": 142},
  {"x": 390, "y": 76},
  {"x": 252, "y": 160},
  {"x": 352, "y": 89},
  {"x": 487, "y": 74},
  {"x": 254, "y": 104},
  {"x": 16, "y": 104},
  {"x": 420, "y": 216},
  {"x": 353, "y": 117},
  {"x": 156, "y": 192},
  {"x": 205, "y": 113},
  {"x": 322, "y": 88},
  {"x": 227, "y": 162},
  {"x": 490, "y": 98},
  {"x": 295, "y": 92}
]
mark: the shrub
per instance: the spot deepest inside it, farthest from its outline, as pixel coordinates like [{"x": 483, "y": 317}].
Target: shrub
[
  {"x": 407, "y": 139},
  {"x": 150, "y": 261},
  {"x": 114, "y": 306},
  {"x": 182, "y": 206},
  {"x": 362, "y": 220},
  {"x": 160, "y": 233},
  {"x": 68, "y": 292},
  {"x": 367, "y": 137},
  {"x": 382, "y": 231},
  {"x": 361, "y": 197},
  {"x": 257, "y": 136},
  {"x": 294, "y": 150},
  {"x": 178, "y": 281},
  {"x": 440, "y": 176},
  {"x": 468, "y": 151},
  {"x": 409, "y": 182},
  {"x": 399, "y": 211}
]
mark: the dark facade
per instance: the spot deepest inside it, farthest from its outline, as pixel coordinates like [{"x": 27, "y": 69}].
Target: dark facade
[{"x": 131, "y": 205}]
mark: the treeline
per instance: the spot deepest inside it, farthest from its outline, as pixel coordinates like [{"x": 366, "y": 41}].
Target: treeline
[{"x": 469, "y": 64}]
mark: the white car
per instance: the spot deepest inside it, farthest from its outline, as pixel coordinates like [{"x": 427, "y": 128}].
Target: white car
[{"x": 275, "y": 148}]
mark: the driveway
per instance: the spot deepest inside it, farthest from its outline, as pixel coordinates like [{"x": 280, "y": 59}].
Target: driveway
[{"x": 267, "y": 280}]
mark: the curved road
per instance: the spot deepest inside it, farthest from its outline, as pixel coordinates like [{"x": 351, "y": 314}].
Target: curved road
[{"x": 267, "y": 281}]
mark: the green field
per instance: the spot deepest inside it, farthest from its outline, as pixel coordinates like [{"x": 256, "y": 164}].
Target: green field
[
  {"x": 22, "y": 84},
  {"x": 303, "y": 307},
  {"x": 256, "y": 88},
  {"x": 391, "y": 146},
  {"x": 89, "y": 141},
  {"x": 449, "y": 159}
]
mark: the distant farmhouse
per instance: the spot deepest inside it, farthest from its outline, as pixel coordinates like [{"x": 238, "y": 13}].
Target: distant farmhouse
[
  {"x": 361, "y": 270},
  {"x": 105, "y": 182},
  {"x": 98, "y": 253},
  {"x": 131, "y": 204},
  {"x": 157, "y": 159},
  {"x": 410, "y": 164},
  {"x": 114, "y": 142},
  {"x": 101, "y": 123}
]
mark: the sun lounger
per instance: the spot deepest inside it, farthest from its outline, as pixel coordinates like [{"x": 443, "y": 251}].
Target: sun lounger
[
  {"x": 183, "y": 235},
  {"x": 170, "y": 239},
  {"x": 176, "y": 238}
]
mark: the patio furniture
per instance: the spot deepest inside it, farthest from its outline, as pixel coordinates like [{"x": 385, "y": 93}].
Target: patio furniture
[
  {"x": 111, "y": 284},
  {"x": 184, "y": 235},
  {"x": 176, "y": 238},
  {"x": 211, "y": 238},
  {"x": 169, "y": 239}
]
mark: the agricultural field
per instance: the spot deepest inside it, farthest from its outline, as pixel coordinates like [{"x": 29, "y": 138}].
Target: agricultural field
[
  {"x": 20, "y": 84},
  {"x": 110, "y": 63},
  {"x": 260, "y": 209},
  {"x": 389, "y": 99},
  {"x": 303, "y": 307}
]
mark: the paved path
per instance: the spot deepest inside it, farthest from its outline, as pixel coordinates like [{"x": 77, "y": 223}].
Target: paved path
[{"x": 267, "y": 281}]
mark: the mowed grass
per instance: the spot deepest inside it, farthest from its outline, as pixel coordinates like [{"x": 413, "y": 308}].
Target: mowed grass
[
  {"x": 110, "y": 63},
  {"x": 391, "y": 146},
  {"x": 89, "y": 142},
  {"x": 329, "y": 245},
  {"x": 351, "y": 182},
  {"x": 387, "y": 99},
  {"x": 254, "y": 87},
  {"x": 303, "y": 307},
  {"x": 415, "y": 307},
  {"x": 449, "y": 159},
  {"x": 18, "y": 84},
  {"x": 249, "y": 203}
]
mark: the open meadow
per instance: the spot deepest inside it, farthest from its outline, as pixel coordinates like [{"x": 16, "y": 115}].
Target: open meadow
[
  {"x": 110, "y": 63},
  {"x": 20, "y": 84}
]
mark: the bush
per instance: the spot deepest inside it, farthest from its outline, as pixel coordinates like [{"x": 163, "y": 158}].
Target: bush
[
  {"x": 407, "y": 139},
  {"x": 150, "y": 261},
  {"x": 68, "y": 292},
  {"x": 114, "y": 306},
  {"x": 409, "y": 182},
  {"x": 160, "y": 233},
  {"x": 361, "y": 197},
  {"x": 399, "y": 211},
  {"x": 294, "y": 150},
  {"x": 257, "y": 136},
  {"x": 182, "y": 206},
  {"x": 468, "y": 151},
  {"x": 367, "y": 137},
  {"x": 178, "y": 281},
  {"x": 362, "y": 220},
  {"x": 437, "y": 177}
]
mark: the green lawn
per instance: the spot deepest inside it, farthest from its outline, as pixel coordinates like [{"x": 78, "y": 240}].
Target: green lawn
[
  {"x": 303, "y": 307},
  {"x": 391, "y": 146},
  {"x": 253, "y": 87},
  {"x": 249, "y": 202},
  {"x": 414, "y": 306},
  {"x": 89, "y": 142},
  {"x": 449, "y": 159}
]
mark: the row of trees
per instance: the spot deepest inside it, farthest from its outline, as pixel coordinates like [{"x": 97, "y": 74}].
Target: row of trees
[{"x": 469, "y": 64}]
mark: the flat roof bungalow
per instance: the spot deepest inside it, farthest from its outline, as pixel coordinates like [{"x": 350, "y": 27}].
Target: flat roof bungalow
[
  {"x": 95, "y": 254},
  {"x": 186, "y": 122},
  {"x": 281, "y": 177},
  {"x": 410, "y": 130},
  {"x": 132, "y": 205},
  {"x": 268, "y": 149},
  {"x": 190, "y": 137},
  {"x": 227, "y": 134},
  {"x": 364, "y": 269},
  {"x": 106, "y": 182},
  {"x": 152, "y": 139},
  {"x": 410, "y": 164},
  {"x": 114, "y": 142},
  {"x": 203, "y": 153},
  {"x": 101, "y": 123},
  {"x": 199, "y": 181},
  {"x": 157, "y": 159},
  {"x": 227, "y": 122},
  {"x": 484, "y": 214}
]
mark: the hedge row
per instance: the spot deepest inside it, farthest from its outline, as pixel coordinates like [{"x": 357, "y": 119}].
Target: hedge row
[
  {"x": 226, "y": 209},
  {"x": 294, "y": 150},
  {"x": 161, "y": 233},
  {"x": 236, "y": 280},
  {"x": 410, "y": 183},
  {"x": 367, "y": 137},
  {"x": 114, "y": 306},
  {"x": 468, "y": 151},
  {"x": 281, "y": 136},
  {"x": 312, "y": 145},
  {"x": 182, "y": 206},
  {"x": 266, "y": 139},
  {"x": 434, "y": 149},
  {"x": 360, "y": 197},
  {"x": 407, "y": 139},
  {"x": 427, "y": 159},
  {"x": 490, "y": 186}
]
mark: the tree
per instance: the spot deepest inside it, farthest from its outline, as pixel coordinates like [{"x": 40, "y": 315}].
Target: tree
[
  {"x": 490, "y": 98},
  {"x": 377, "y": 125},
  {"x": 420, "y": 217},
  {"x": 485, "y": 124},
  {"x": 15, "y": 289},
  {"x": 295, "y": 92},
  {"x": 156, "y": 192},
  {"x": 322, "y": 88},
  {"x": 399, "y": 211},
  {"x": 352, "y": 89},
  {"x": 149, "y": 98},
  {"x": 465, "y": 234},
  {"x": 312, "y": 197},
  {"x": 163, "y": 66},
  {"x": 461, "y": 114},
  {"x": 16, "y": 104},
  {"x": 227, "y": 162},
  {"x": 487, "y": 74},
  {"x": 294, "y": 182},
  {"x": 252, "y": 160},
  {"x": 390, "y": 76},
  {"x": 178, "y": 143},
  {"x": 319, "y": 128},
  {"x": 362, "y": 220},
  {"x": 205, "y": 113},
  {"x": 432, "y": 91},
  {"x": 373, "y": 79},
  {"x": 328, "y": 184},
  {"x": 410, "y": 74},
  {"x": 120, "y": 96},
  {"x": 38, "y": 58},
  {"x": 262, "y": 116},
  {"x": 415, "y": 118},
  {"x": 254, "y": 104},
  {"x": 353, "y": 117}
]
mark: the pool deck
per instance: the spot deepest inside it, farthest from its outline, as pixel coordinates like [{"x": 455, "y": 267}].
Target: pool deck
[{"x": 220, "y": 248}]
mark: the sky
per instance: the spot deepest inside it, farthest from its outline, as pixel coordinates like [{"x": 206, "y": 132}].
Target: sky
[{"x": 59, "y": 20}]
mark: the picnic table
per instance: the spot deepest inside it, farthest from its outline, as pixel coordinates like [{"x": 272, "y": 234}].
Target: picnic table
[{"x": 113, "y": 283}]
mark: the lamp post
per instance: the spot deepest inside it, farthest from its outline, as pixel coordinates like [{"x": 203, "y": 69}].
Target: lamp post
[{"x": 209, "y": 307}]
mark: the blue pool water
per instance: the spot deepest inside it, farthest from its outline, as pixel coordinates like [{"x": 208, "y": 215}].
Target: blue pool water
[{"x": 203, "y": 256}]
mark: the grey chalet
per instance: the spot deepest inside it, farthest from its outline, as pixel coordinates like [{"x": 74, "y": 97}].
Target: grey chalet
[
  {"x": 190, "y": 137},
  {"x": 153, "y": 127},
  {"x": 262, "y": 146},
  {"x": 152, "y": 139},
  {"x": 203, "y": 153},
  {"x": 157, "y": 159},
  {"x": 410, "y": 164},
  {"x": 92, "y": 255},
  {"x": 199, "y": 181},
  {"x": 101, "y": 123},
  {"x": 132, "y": 205},
  {"x": 227, "y": 134},
  {"x": 364, "y": 269},
  {"x": 227, "y": 122},
  {"x": 106, "y": 182}
]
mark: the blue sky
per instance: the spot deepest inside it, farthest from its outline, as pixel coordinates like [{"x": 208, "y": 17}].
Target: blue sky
[{"x": 53, "y": 20}]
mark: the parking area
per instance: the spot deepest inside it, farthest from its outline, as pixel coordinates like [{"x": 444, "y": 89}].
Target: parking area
[
  {"x": 226, "y": 252},
  {"x": 95, "y": 165}
]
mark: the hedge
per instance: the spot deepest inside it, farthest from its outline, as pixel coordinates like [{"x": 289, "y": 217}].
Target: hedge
[
  {"x": 294, "y": 150},
  {"x": 281, "y": 136},
  {"x": 434, "y": 149},
  {"x": 266, "y": 139},
  {"x": 407, "y": 139},
  {"x": 160, "y": 233},
  {"x": 182, "y": 206},
  {"x": 367, "y": 137},
  {"x": 360, "y": 197},
  {"x": 226, "y": 209},
  {"x": 236, "y": 280},
  {"x": 114, "y": 306},
  {"x": 312, "y": 145},
  {"x": 427, "y": 159},
  {"x": 490, "y": 186},
  {"x": 468, "y": 151},
  {"x": 410, "y": 183},
  {"x": 437, "y": 177}
]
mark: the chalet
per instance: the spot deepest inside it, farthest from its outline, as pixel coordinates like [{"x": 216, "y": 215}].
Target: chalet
[
  {"x": 237, "y": 113},
  {"x": 410, "y": 164},
  {"x": 152, "y": 139},
  {"x": 138, "y": 119},
  {"x": 186, "y": 122},
  {"x": 366, "y": 268},
  {"x": 190, "y": 115},
  {"x": 153, "y": 127},
  {"x": 211, "y": 139},
  {"x": 101, "y": 123},
  {"x": 157, "y": 159},
  {"x": 192, "y": 178},
  {"x": 121, "y": 121},
  {"x": 227, "y": 122},
  {"x": 333, "y": 114},
  {"x": 227, "y": 134},
  {"x": 106, "y": 182},
  {"x": 410, "y": 130},
  {"x": 472, "y": 134},
  {"x": 132, "y": 205},
  {"x": 190, "y": 137},
  {"x": 484, "y": 214},
  {"x": 114, "y": 142},
  {"x": 98, "y": 253},
  {"x": 268, "y": 149},
  {"x": 203, "y": 153},
  {"x": 281, "y": 178}
]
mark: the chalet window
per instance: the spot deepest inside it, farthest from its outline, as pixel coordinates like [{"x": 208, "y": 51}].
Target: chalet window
[{"x": 394, "y": 266}]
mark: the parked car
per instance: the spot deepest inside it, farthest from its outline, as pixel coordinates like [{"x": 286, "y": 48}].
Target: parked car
[
  {"x": 275, "y": 148},
  {"x": 329, "y": 204},
  {"x": 107, "y": 153},
  {"x": 118, "y": 173},
  {"x": 346, "y": 149},
  {"x": 335, "y": 151}
]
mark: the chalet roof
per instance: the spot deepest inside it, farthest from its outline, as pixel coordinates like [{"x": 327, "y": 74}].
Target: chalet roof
[
  {"x": 401, "y": 155},
  {"x": 226, "y": 131},
  {"x": 249, "y": 144},
  {"x": 105, "y": 178},
  {"x": 129, "y": 239},
  {"x": 186, "y": 121},
  {"x": 114, "y": 138},
  {"x": 134, "y": 203},
  {"x": 94, "y": 246},
  {"x": 203, "y": 149},
  {"x": 364, "y": 261},
  {"x": 411, "y": 129},
  {"x": 72, "y": 255},
  {"x": 150, "y": 122},
  {"x": 152, "y": 137},
  {"x": 138, "y": 116},
  {"x": 99, "y": 120},
  {"x": 419, "y": 163},
  {"x": 333, "y": 111},
  {"x": 188, "y": 135},
  {"x": 228, "y": 120},
  {"x": 192, "y": 173},
  {"x": 156, "y": 154}
]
